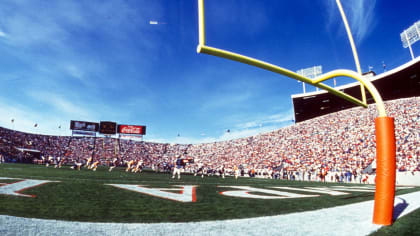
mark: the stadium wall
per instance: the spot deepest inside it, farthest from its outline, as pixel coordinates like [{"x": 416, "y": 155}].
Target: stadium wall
[
  {"x": 408, "y": 178},
  {"x": 405, "y": 178}
]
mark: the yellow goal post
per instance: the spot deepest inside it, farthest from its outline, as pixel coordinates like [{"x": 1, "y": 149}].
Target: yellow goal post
[{"x": 386, "y": 163}]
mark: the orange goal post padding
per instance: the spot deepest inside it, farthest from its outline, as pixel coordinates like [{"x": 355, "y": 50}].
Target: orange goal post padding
[{"x": 385, "y": 171}]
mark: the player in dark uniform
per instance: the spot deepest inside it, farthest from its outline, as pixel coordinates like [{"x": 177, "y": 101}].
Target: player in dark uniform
[
  {"x": 179, "y": 165},
  {"x": 222, "y": 171},
  {"x": 76, "y": 165},
  {"x": 200, "y": 169}
]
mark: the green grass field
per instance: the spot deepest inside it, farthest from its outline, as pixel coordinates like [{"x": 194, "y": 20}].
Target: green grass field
[{"x": 85, "y": 196}]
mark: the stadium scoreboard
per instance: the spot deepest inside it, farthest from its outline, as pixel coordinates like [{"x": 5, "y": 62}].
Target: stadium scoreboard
[{"x": 107, "y": 127}]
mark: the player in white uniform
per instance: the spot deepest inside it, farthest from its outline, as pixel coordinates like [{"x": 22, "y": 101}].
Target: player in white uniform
[
  {"x": 129, "y": 164},
  {"x": 138, "y": 167},
  {"x": 94, "y": 165},
  {"x": 49, "y": 160},
  {"x": 88, "y": 162},
  {"x": 113, "y": 164},
  {"x": 270, "y": 173},
  {"x": 236, "y": 171}
]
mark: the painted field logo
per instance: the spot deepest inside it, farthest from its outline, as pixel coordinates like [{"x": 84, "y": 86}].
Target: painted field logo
[
  {"x": 261, "y": 193},
  {"x": 15, "y": 188},
  {"x": 249, "y": 192},
  {"x": 186, "y": 194}
]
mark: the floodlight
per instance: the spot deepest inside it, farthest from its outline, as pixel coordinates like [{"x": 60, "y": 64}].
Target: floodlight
[
  {"x": 311, "y": 72},
  {"x": 410, "y": 36}
]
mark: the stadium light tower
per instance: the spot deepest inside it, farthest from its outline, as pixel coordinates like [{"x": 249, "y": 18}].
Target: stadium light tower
[
  {"x": 410, "y": 36},
  {"x": 311, "y": 72}
]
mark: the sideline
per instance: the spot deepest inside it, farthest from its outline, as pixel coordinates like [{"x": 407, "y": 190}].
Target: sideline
[{"x": 353, "y": 219}]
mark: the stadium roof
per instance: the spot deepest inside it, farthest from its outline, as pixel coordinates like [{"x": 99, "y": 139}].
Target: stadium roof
[{"x": 374, "y": 78}]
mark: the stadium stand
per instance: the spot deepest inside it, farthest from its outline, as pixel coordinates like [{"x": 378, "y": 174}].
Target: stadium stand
[{"x": 341, "y": 144}]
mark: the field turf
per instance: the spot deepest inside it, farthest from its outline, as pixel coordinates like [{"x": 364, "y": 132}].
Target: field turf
[{"x": 85, "y": 196}]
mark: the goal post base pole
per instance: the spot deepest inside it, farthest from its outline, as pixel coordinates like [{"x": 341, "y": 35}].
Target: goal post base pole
[{"x": 385, "y": 170}]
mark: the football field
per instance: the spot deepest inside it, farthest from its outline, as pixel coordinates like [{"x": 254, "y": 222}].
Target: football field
[{"x": 120, "y": 201}]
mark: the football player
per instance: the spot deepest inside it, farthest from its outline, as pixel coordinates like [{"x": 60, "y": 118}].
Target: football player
[
  {"x": 87, "y": 165},
  {"x": 77, "y": 164},
  {"x": 179, "y": 164},
  {"x": 138, "y": 167},
  {"x": 222, "y": 171},
  {"x": 236, "y": 171},
  {"x": 113, "y": 164},
  {"x": 94, "y": 165},
  {"x": 129, "y": 164},
  {"x": 199, "y": 169}
]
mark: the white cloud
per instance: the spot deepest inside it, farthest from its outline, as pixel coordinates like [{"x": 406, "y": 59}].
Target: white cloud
[
  {"x": 360, "y": 14},
  {"x": 2, "y": 34},
  {"x": 261, "y": 125},
  {"x": 224, "y": 99},
  {"x": 57, "y": 104},
  {"x": 269, "y": 120},
  {"x": 242, "y": 130},
  {"x": 75, "y": 71},
  {"x": 25, "y": 119}
]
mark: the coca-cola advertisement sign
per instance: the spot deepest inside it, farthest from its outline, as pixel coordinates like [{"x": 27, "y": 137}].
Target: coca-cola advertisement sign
[{"x": 132, "y": 129}]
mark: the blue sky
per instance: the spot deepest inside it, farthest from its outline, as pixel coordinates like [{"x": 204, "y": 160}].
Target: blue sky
[{"x": 135, "y": 61}]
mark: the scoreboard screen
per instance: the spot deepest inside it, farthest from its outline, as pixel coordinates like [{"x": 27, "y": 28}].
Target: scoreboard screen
[
  {"x": 107, "y": 127},
  {"x": 84, "y": 126}
]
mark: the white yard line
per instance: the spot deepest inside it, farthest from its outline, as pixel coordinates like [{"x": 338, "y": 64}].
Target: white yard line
[{"x": 353, "y": 219}]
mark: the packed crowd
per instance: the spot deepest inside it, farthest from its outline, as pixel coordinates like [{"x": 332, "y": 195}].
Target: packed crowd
[
  {"x": 334, "y": 147},
  {"x": 342, "y": 142}
]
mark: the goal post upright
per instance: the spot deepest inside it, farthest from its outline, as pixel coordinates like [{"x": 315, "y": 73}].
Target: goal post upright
[
  {"x": 353, "y": 46},
  {"x": 384, "y": 125}
]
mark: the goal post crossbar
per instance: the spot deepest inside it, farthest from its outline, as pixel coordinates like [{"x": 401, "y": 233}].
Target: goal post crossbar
[{"x": 202, "y": 48}]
